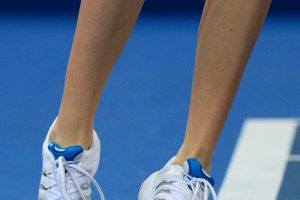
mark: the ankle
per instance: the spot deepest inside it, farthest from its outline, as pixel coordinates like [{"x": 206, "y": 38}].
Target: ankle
[
  {"x": 66, "y": 136},
  {"x": 203, "y": 156}
]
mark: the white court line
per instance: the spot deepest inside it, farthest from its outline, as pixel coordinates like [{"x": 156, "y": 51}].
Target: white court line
[
  {"x": 259, "y": 160},
  {"x": 294, "y": 158}
]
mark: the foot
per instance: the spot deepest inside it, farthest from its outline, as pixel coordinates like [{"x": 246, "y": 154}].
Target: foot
[
  {"x": 68, "y": 172},
  {"x": 174, "y": 182}
]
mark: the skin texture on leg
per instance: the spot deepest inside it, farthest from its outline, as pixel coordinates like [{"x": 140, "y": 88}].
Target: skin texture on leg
[
  {"x": 226, "y": 37},
  {"x": 102, "y": 30}
]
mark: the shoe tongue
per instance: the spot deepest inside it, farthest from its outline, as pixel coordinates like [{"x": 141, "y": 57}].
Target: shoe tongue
[
  {"x": 192, "y": 167},
  {"x": 69, "y": 153}
]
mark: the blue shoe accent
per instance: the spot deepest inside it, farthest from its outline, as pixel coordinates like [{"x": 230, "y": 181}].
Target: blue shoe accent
[
  {"x": 193, "y": 168},
  {"x": 69, "y": 153}
]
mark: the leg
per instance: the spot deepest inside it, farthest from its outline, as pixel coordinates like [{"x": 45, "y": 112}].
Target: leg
[
  {"x": 102, "y": 30},
  {"x": 227, "y": 34}
]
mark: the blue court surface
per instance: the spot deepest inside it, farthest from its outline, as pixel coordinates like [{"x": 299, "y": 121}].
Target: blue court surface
[{"x": 142, "y": 115}]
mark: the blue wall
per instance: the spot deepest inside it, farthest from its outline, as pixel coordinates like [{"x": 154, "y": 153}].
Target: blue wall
[{"x": 156, "y": 6}]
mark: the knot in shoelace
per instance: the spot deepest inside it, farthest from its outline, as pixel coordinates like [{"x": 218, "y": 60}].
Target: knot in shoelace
[
  {"x": 179, "y": 189},
  {"x": 64, "y": 167}
]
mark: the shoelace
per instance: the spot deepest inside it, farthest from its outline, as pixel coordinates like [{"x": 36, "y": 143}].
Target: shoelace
[
  {"x": 62, "y": 167},
  {"x": 176, "y": 189}
]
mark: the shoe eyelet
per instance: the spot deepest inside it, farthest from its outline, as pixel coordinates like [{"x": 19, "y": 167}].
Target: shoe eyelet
[
  {"x": 46, "y": 173},
  {"x": 44, "y": 187},
  {"x": 85, "y": 186}
]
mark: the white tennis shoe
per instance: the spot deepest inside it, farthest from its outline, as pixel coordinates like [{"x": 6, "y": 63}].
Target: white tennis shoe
[
  {"x": 174, "y": 182},
  {"x": 68, "y": 172}
]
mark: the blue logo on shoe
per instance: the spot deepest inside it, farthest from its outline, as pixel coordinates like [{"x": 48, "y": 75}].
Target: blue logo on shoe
[
  {"x": 193, "y": 168},
  {"x": 69, "y": 153}
]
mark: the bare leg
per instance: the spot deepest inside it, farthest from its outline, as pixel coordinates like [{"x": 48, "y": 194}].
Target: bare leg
[
  {"x": 226, "y": 37},
  {"x": 102, "y": 31}
]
